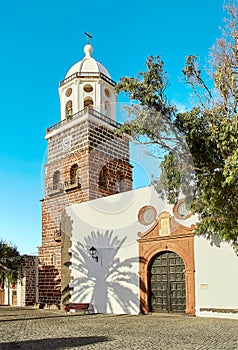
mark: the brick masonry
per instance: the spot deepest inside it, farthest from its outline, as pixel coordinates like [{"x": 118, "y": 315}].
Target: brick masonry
[
  {"x": 87, "y": 134},
  {"x": 91, "y": 147},
  {"x": 29, "y": 280}
]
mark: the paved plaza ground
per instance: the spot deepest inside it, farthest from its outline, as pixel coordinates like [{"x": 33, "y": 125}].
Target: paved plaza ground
[{"x": 28, "y": 328}]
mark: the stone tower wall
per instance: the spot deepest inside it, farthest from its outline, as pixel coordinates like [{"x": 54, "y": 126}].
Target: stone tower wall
[
  {"x": 29, "y": 280},
  {"x": 91, "y": 147}
]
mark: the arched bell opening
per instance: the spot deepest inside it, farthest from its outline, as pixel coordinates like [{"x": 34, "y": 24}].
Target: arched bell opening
[
  {"x": 107, "y": 111},
  {"x": 88, "y": 102},
  {"x": 69, "y": 109}
]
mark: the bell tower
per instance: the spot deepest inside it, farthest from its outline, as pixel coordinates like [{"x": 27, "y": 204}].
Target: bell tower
[
  {"x": 87, "y": 84},
  {"x": 86, "y": 160}
]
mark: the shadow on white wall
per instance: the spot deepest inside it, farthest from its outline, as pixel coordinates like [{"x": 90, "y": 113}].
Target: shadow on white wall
[{"x": 111, "y": 285}]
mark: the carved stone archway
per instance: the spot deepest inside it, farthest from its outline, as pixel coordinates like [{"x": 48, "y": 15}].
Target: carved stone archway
[{"x": 164, "y": 237}]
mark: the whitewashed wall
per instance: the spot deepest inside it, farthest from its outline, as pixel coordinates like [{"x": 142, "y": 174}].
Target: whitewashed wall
[
  {"x": 111, "y": 285},
  {"x": 216, "y": 279},
  {"x": 110, "y": 225}
]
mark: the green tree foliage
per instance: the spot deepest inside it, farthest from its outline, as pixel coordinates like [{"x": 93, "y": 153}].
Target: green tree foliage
[
  {"x": 199, "y": 147},
  {"x": 10, "y": 261}
]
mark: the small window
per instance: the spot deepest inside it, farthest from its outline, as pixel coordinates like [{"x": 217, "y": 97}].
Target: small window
[
  {"x": 88, "y": 102},
  {"x": 118, "y": 184},
  {"x": 102, "y": 181},
  {"x": 74, "y": 174},
  {"x": 54, "y": 260},
  {"x": 107, "y": 109},
  {"x": 88, "y": 88},
  {"x": 107, "y": 93},
  {"x": 69, "y": 109},
  {"x": 119, "y": 181},
  {"x": 56, "y": 180},
  {"x": 68, "y": 92}
]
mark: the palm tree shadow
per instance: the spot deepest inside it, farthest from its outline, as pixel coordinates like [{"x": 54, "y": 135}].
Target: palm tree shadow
[{"x": 110, "y": 284}]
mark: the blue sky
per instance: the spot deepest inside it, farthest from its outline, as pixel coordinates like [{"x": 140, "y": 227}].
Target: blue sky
[{"x": 39, "y": 43}]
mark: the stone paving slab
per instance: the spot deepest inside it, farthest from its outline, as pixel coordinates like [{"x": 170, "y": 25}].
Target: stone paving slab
[{"x": 28, "y": 328}]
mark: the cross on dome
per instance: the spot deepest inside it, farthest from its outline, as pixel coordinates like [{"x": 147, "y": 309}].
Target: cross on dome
[
  {"x": 88, "y": 48},
  {"x": 88, "y": 36}
]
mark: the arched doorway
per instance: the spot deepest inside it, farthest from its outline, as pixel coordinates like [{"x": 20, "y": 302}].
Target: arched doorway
[{"x": 167, "y": 286}]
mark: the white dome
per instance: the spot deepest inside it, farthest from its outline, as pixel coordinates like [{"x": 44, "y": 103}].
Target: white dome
[{"x": 87, "y": 64}]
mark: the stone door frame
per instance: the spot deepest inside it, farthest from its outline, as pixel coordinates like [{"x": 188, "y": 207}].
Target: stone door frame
[{"x": 181, "y": 242}]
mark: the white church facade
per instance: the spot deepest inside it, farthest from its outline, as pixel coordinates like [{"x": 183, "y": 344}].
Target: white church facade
[
  {"x": 103, "y": 243},
  {"x": 147, "y": 259}
]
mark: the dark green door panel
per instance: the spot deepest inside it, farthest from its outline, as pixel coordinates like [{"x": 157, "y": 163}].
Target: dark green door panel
[{"x": 167, "y": 283}]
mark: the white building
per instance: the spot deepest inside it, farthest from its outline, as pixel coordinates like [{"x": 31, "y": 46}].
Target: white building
[
  {"x": 121, "y": 250},
  {"x": 137, "y": 267}
]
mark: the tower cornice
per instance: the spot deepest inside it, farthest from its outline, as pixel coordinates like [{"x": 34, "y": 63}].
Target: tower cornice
[
  {"x": 77, "y": 118},
  {"x": 88, "y": 75}
]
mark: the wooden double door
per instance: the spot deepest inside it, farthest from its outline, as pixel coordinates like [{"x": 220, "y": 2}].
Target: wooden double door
[{"x": 167, "y": 283}]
